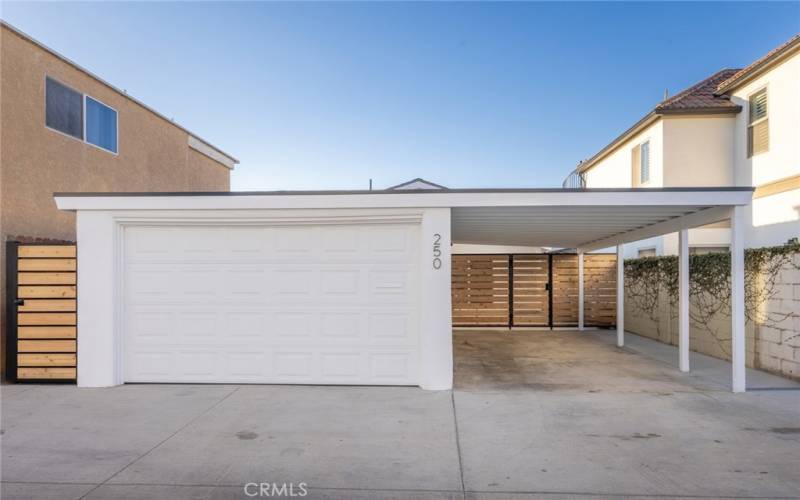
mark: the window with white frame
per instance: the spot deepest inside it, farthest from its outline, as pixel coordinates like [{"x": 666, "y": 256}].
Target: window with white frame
[
  {"x": 80, "y": 116},
  {"x": 758, "y": 124}
]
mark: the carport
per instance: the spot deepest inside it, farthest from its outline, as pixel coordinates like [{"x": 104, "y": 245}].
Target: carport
[{"x": 336, "y": 287}]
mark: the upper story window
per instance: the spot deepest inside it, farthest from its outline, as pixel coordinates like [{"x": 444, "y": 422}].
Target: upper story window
[
  {"x": 758, "y": 124},
  {"x": 80, "y": 116},
  {"x": 101, "y": 125},
  {"x": 640, "y": 164},
  {"x": 64, "y": 109}
]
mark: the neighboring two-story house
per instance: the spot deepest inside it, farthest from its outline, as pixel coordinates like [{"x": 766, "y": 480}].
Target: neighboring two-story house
[
  {"x": 734, "y": 128},
  {"x": 64, "y": 129}
]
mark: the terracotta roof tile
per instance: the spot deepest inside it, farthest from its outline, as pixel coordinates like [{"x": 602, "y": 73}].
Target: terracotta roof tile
[{"x": 701, "y": 96}]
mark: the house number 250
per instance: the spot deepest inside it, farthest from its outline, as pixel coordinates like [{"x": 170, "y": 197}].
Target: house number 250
[{"x": 437, "y": 251}]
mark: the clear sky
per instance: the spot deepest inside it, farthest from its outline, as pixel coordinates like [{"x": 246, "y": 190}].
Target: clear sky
[{"x": 324, "y": 96}]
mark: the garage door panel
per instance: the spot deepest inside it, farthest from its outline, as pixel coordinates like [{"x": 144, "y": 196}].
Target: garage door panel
[{"x": 322, "y": 305}]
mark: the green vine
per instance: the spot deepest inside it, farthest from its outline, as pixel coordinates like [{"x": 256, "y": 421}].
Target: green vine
[{"x": 709, "y": 283}]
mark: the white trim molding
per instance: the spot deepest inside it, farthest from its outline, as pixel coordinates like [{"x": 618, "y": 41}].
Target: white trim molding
[{"x": 211, "y": 152}]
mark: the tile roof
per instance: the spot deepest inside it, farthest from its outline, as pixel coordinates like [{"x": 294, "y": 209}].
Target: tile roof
[
  {"x": 701, "y": 97},
  {"x": 754, "y": 69}
]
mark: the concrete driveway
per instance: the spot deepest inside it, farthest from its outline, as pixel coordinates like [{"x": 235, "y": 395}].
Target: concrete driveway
[{"x": 534, "y": 414}]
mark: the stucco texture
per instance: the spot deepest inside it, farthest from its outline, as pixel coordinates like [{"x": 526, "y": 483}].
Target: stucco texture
[{"x": 36, "y": 161}]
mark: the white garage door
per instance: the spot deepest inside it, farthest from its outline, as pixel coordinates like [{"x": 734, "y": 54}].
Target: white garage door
[{"x": 327, "y": 304}]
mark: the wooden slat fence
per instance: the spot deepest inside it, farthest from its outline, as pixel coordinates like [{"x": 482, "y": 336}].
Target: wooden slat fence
[
  {"x": 45, "y": 313},
  {"x": 480, "y": 290},
  {"x": 541, "y": 290},
  {"x": 531, "y": 305},
  {"x": 600, "y": 290}
]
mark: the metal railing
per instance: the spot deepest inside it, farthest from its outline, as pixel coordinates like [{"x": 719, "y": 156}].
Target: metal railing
[{"x": 575, "y": 180}]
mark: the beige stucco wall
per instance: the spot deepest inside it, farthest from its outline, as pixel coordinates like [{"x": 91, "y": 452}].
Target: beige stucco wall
[
  {"x": 36, "y": 161},
  {"x": 698, "y": 150}
]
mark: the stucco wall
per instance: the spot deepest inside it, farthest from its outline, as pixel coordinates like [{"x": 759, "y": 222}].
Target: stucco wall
[
  {"x": 684, "y": 151},
  {"x": 774, "y": 218},
  {"x": 36, "y": 161},
  {"x": 698, "y": 150},
  {"x": 615, "y": 169}
]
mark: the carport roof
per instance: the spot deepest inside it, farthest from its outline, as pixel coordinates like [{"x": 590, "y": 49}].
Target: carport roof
[{"x": 587, "y": 219}]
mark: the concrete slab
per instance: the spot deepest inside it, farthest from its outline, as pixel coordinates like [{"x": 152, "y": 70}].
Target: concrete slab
[
  {"x": 327, "y": 437},
  {"x": 61, "y": 433},
  {"x": 149, "y": 492},
  {"x": 40, "y": 491},
  {"x": 625, "y": 444},
  {"x": 576, "y": 415},
  {"x": 539, "y": 415},
  {"x": 705, "y": 368},
  {"x": 562, "y": 360}
]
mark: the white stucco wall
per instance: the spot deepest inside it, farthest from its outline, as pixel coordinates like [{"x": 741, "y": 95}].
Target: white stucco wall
[
  {"x": 684, "y": 151},
  {"x": 615, "y": 169},
  {"x": 783, "y": 95},
  {"x": 698, "y": 150},
  {"x": 774, "y": 219}
]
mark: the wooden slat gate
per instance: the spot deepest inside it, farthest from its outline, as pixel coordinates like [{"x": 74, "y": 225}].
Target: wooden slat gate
[
  {"x": 42, "y": 312},
  {"x": 532, "y": 290}
]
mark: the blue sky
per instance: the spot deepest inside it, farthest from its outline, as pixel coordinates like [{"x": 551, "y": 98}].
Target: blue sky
[{"x": 325, "y": 96}]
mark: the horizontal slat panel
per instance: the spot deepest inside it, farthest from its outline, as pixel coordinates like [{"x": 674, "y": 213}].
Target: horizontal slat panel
[
  {"x": 46, "y": 291},
  {"x": 600, "y": 284},
  {"x": 67, "y": 278},
  {"x": 47, "y": 332},
  {"x": 46, "y": 251},
  {"x": 46, "y": 373},
  {"x": 47, "y": 346},
  {"x": 46, "y": 359},
  {"x": 47, "y": 305},
  {"x": 46, "y": 264},
  {"x": 58, "y": 318},
  {"x": 479, "y": 290}
]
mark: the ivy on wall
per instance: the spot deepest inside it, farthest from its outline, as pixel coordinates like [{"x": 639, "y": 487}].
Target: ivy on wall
[{"x": 709, "y": 283}]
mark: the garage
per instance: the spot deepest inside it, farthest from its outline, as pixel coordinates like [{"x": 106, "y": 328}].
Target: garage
[
  {"x": 316, "y": 304},
  {"x": 334, "y": 287}
]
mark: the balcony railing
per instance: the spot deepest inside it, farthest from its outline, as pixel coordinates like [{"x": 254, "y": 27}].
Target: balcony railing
[{"x": 575, "y": 180}]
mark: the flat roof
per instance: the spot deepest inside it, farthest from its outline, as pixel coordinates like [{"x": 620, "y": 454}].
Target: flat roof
[
  {"x": 588, "y": 219},
  {"x": 443, "y": 191}
]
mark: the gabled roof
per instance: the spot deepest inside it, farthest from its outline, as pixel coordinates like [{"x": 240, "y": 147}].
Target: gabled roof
[
  {"x": 699, "y": 99},
  {"x": 772, "y": 57},
  {"x": 418, "y": 183}
]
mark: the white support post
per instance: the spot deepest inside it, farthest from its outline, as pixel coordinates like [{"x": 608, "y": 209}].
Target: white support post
[
  {"x": 737, "y": 299},
  {"x": 683, "y": 300},
  {"x": 580, "y": 291},
  {"x": 620, "y": 296}
]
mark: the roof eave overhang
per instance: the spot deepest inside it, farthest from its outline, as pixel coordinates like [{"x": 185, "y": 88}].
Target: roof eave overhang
[
  {"x": 712, "y": 110},
  {"x": 711, "y": 196},
  {"x": 750, "y": 74}
]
